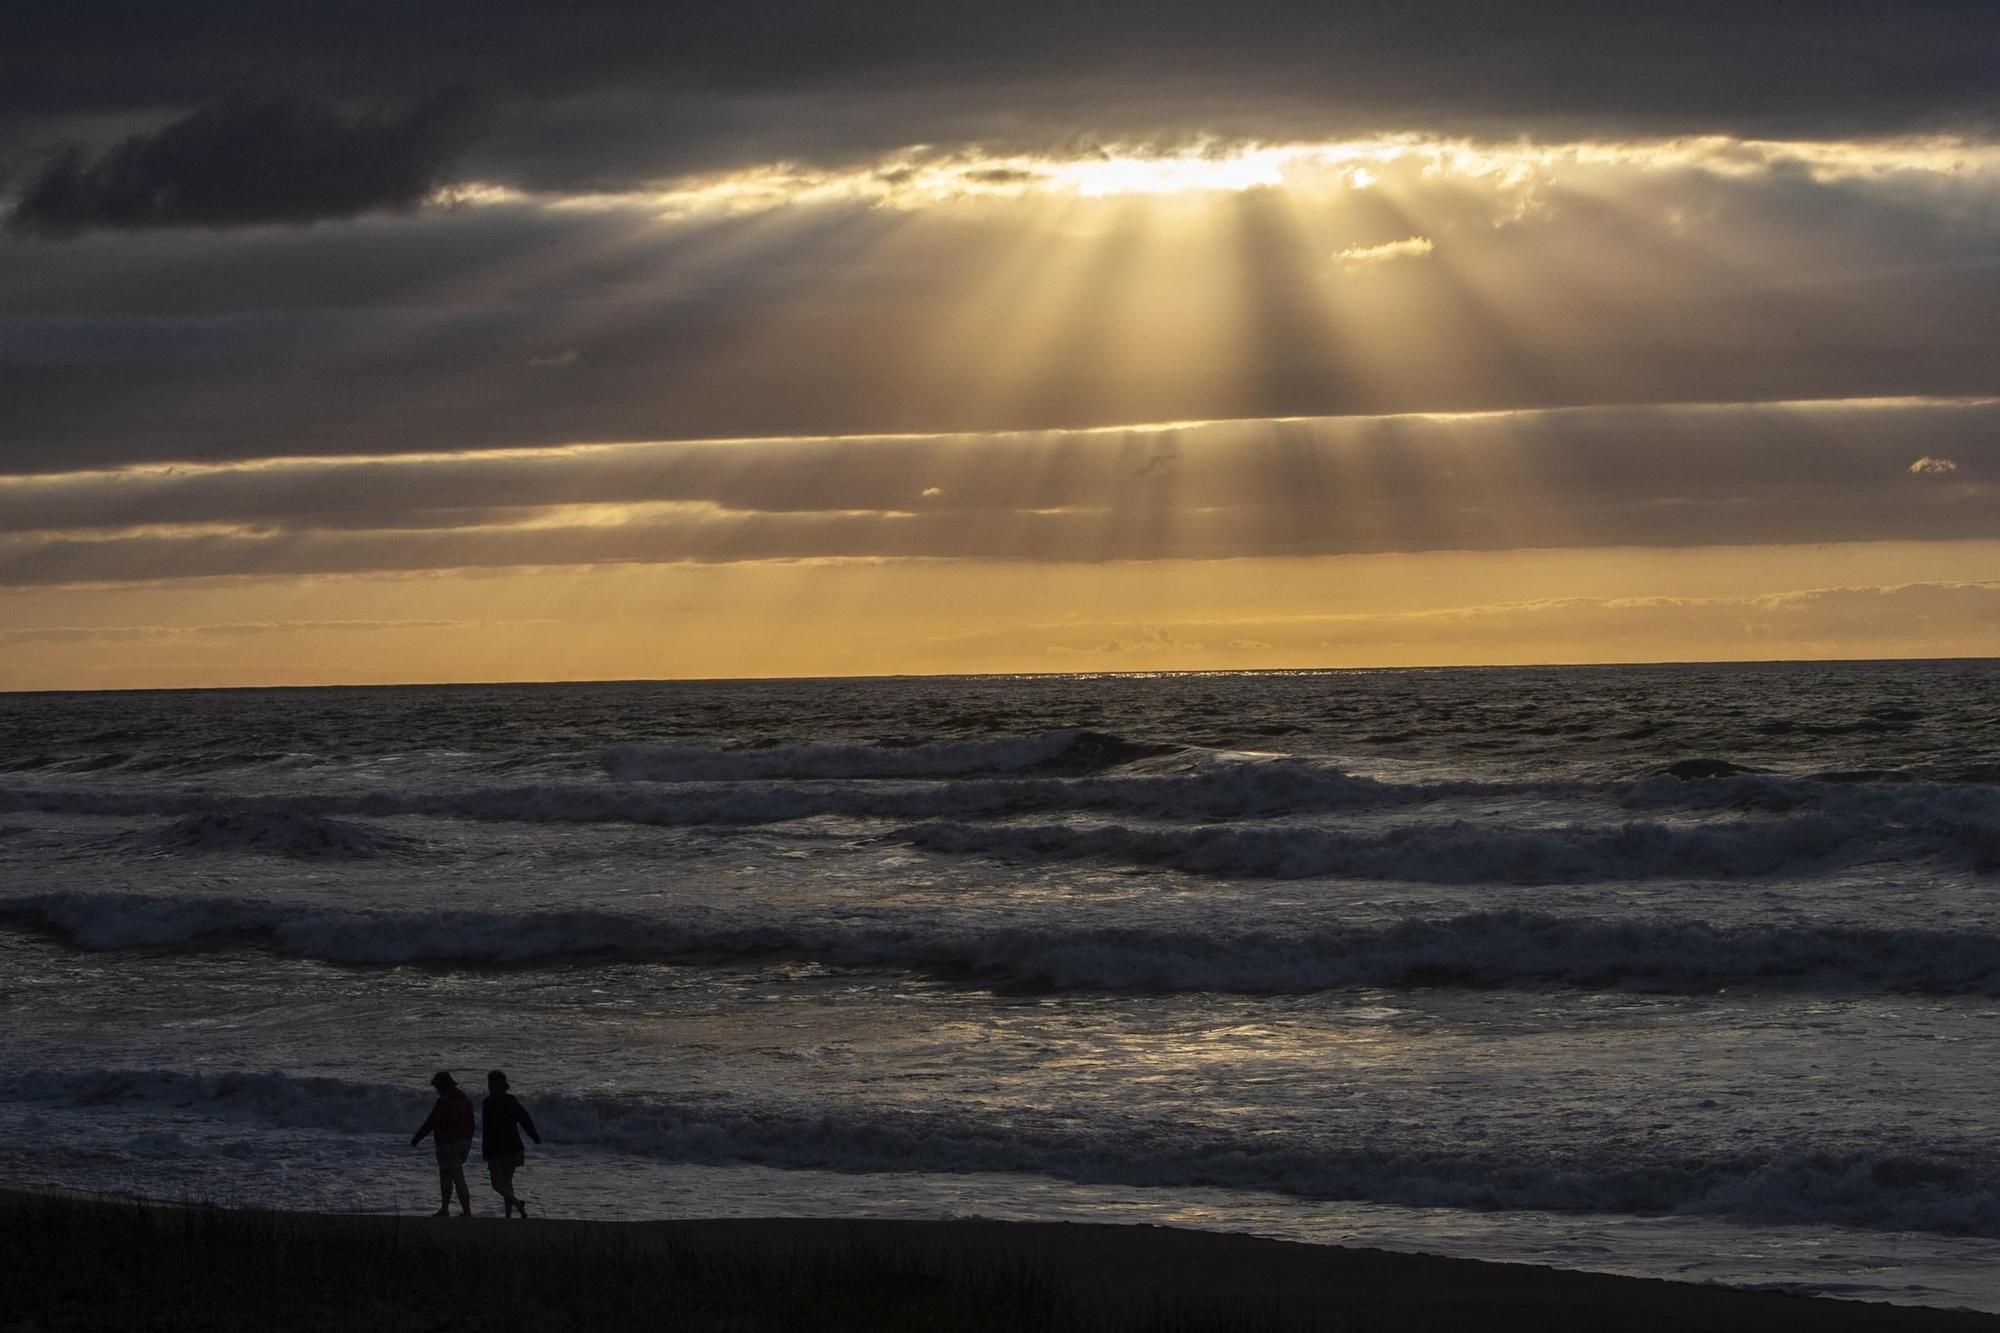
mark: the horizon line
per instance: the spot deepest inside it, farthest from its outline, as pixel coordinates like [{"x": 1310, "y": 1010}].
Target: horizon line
[{"x": 1018, "y": 675}]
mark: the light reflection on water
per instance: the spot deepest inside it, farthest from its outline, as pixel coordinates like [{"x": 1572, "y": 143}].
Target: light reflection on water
[{"x": 1095, "y": 991}]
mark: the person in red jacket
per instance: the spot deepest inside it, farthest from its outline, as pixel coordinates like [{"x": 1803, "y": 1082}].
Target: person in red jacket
[{"x": 451, "y": 1121}]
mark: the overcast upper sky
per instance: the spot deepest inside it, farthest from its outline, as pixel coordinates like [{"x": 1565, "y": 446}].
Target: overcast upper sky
[
  {"x": 390, "y": 291},
  {"x": 612, "y": 93}
]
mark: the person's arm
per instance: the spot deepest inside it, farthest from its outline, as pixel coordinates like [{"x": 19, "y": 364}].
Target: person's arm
[
  {"x": 526, "y": 1122},
  {"x": 430, "y": 1123}
]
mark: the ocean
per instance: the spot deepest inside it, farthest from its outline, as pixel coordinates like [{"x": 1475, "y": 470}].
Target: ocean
[{"x": 1688, "y": 971}]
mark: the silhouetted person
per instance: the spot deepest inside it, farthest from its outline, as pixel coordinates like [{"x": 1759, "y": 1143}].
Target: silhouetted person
[
  {"x": 502, "y": 1120},
  {"x": 451, "y": 1121}
]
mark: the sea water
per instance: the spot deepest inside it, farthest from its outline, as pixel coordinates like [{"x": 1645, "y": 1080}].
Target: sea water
[{"x": 1687, "y": 971}]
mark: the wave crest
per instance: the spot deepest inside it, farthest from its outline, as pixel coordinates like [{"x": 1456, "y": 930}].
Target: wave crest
[
  {"x": 1068, "y": 752},
  {"x": 1450, "y": 853},
  {"x": 288, "y": 833},
  {"x": 1486, "y": 949}
]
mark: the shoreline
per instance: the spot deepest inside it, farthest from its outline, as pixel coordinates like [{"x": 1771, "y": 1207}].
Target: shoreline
[{"x": 1118, "y": 1274}]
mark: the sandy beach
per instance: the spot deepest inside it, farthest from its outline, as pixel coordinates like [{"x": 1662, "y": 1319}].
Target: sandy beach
[{"x": 1107, "y": 1276}]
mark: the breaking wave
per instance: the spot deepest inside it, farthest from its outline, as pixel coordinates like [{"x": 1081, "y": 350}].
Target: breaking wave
[
  {"x": 1459, "y": 852},
  {"x": 1053, "y": 752},
  {"x": 287, "y": 833},
  {"x": 1198, "y": 787},
  {"x": 1478, "y": 949}
]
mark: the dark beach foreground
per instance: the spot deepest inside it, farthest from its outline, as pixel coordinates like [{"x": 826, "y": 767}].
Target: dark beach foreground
[{"x": 79, "y": 1262}]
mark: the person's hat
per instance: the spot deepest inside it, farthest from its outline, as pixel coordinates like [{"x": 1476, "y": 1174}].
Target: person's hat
[{"x": 443, "y": 1079}]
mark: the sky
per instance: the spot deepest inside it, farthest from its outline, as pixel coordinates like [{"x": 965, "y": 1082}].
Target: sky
[{"x": 372, "y": 342}]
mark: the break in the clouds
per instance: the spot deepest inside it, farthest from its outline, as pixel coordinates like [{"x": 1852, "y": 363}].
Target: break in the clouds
[
  {"x": 1099, "y": 292},
  {"x": 780, "y": 219}
]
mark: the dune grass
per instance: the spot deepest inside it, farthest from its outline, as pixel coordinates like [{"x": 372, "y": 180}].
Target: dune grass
[{"x": 85, "y": 1265}]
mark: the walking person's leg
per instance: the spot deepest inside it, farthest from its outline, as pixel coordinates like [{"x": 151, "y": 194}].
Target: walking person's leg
[
  {"x": 458, "y": 1181},
  {"x": 503, "y": 1182},
  {"x": 451, "y": 1176}
]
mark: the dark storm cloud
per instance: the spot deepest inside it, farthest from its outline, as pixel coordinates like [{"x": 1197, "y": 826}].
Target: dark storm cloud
[
  {"x": 1591, "y": 478},
  {"x": 247, "y": 161},
  {"x": 601, "y": 92}
]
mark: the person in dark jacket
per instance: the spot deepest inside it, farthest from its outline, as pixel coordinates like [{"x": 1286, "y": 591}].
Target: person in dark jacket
[
  {"x": 451, "y": 1121},
  {"x": 500, "y": 1142}
]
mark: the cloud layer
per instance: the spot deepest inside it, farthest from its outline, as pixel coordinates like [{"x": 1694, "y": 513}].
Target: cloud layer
[
  {"x": 616, "y": 91},
  {"x": 1669, "y": 477}
]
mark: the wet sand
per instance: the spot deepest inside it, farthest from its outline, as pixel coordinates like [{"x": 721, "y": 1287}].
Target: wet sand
[{"x": 1133, "y": 1271}]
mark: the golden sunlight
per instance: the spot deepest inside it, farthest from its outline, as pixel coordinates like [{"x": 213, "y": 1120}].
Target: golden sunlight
[{"x": 922, "y": 176}]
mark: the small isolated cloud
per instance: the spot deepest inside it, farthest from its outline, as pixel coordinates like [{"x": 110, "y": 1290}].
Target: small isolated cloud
[
  {"x": 1248, "y": 645},
  {"x": 249, "y": 161},
  {"x": 932, "y": 492},
  {"x": 1001, "y": 176},
  {"x": 1933, "y": 467},
  {"x": 569, "y": 356},
  {"x": 1363, "y": 256}
]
